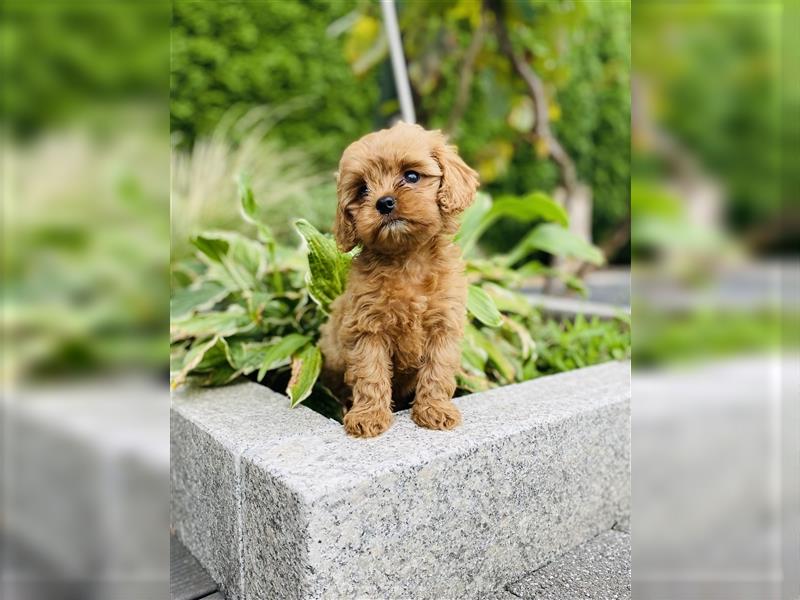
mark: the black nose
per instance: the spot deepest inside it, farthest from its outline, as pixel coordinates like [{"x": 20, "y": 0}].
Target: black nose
[{"x": 385, "y": 205}]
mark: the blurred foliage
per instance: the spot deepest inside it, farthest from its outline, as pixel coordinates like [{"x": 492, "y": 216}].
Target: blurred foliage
[
  {"x": 581, "y": 51},
  {"x": 663, "y": 232},
  {"x": 326, "y": 65},
  {"x": 65, "y": 56},
  {"x": 710, "y": 74},
  {"x": 268, "y": 53},
  {"x": 253, "y": 307},
  {"x": 86, "y": 252},
  {"x": 710, "y": 332},
  {"x": 85, "y": 187},
  {"x": 706, "y": 184}
]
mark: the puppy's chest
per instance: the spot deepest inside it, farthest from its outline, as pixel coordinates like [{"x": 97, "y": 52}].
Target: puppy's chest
[
  {"x": 401, "y": 314},
  {"x": 402, "y": 309},
  {"x": 407, "y": 331}
]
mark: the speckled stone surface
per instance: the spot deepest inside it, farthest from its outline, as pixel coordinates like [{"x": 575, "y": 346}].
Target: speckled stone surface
[
  {"x": 502, "y": 594},
  {"x": 599, "y": 569},
  {"x": 210, "y": 429},
  {"x": 279, "y": 502},
  {"x": 536, "y": 469},
  {"x": 623, "y": 524}
]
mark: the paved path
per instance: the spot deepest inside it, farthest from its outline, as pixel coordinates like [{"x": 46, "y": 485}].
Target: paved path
[
  {"x": 599, "y": 568},
  {"x": 188, "y": 580}
]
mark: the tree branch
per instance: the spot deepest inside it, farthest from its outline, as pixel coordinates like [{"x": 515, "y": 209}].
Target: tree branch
[
  {"x": 566, "y": 166},
  {"x": 613, "y": 244},
  {"x": 465, "y": 77}
]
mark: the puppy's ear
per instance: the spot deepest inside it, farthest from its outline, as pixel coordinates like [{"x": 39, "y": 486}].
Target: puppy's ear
[
  {"x": 344, "y": 230},
  {"x": 459, "y": 181}
]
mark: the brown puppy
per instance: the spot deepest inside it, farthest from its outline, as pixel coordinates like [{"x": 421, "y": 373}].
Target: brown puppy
[{"x": 397, "y": 329}]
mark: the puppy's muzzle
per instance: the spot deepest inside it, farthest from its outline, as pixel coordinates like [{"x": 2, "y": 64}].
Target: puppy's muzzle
[{"x": 386, "y": 204}]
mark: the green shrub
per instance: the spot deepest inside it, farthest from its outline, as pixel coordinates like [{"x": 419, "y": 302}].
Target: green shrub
[
  {"x": 226, "y": 54},
  {"x": 329, "y": 62},
  {"x": 682, "y": 337},
  {"x": 203, "y": 196},
  {"x": 581, "y": 51},
  {"x": 82, "y": 60},
  {"x": 86, "y": 265},
  {"x": 253, "y": 307}
]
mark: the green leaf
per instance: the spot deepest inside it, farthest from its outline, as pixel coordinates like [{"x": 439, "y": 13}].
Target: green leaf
[
  {"x": 247, "y": 199},
  {"x": 182, "y": 275},
  {"x": 246, "y": 357},
  {"x": 556, "y": 240},
  {"x": 472, "y": 382},
  {"x": 478, "y": 339},
  {"x": 193, "y": 358},
  {"x": 243, "y": 263},
  {"x": 512, "y": 354},
  {"x": 493, "y": 270},
  {"x": 574, "y": 283},
  {"x": 237, "y": 262},
  {"x": 177, "y": 357},
  {"x": 223, "y": 324},
  {"x": 196, "y": 298},
  {"x": 216, "y": 356},
  {"x": 211, "y": 246},
  {"x": 250, "y": 212},
  {"x": 306, "y": 366},
  {"x": 279, "y": 353},
  {"x": 535, "y": 267},
  {"x": 525, "y": 209},
  {"x": 482, "y": 307},
  {"x": 473, "y": 358},
  {"x": 506, "y": 300},
  {"x": 528, "y": 208},
  {"x": 327, "y": 267},
  {"x": 219, "y": 376},
  {"x": 471, "y": 229},
  {"x": 526, "y": 344}
]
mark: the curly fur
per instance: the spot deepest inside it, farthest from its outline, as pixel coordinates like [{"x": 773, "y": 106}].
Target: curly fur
[{"x": 396, "y": 331}]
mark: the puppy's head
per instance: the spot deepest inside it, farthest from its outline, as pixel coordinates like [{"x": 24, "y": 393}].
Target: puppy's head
[{"x": 398, "y": 188}]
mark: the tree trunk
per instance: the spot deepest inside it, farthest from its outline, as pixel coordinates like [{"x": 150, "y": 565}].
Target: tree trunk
[
  {"x": 575, "y": 196},
  {"x": 541, "y": 128}
]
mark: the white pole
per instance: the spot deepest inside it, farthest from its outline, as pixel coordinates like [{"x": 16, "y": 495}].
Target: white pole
[{"x": 398, "y": 61}]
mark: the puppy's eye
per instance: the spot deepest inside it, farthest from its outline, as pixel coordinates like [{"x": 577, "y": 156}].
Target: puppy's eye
[
  {"x": 411, "y": 176},
  {"x": 363, "y": 190}
]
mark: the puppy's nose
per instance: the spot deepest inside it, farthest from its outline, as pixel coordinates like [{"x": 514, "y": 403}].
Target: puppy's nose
[{"x": 385, "y": 205}]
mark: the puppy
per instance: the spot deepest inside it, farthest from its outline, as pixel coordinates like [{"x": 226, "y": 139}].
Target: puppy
[{"x": 396, "y": 331}]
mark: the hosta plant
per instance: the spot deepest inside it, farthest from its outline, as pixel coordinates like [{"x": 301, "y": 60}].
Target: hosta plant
[{"x": 252, "y": 307}]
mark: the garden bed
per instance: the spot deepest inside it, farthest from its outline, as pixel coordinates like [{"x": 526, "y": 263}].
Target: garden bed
[{"x": 279, "y": 502}]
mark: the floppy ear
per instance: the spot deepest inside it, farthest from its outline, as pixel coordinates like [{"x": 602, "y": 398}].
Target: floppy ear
[
  {"x": 459, "y": 181},
  {"x": 344, "y": 231}
]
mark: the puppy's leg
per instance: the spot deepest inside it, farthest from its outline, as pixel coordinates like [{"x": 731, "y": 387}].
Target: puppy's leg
[
  {"x": 433, "y": 406},
  {"x": 369, "y": 373},
  {"x": 334, "y": 366}
]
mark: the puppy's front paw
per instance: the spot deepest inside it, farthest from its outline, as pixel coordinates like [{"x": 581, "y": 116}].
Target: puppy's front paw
[
  {"x": 441, "y": 415},
  {"x": 368, "y": 423}
]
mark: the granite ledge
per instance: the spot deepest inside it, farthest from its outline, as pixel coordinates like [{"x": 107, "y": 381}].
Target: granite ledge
[
  {"x": 330, "y": 459},
  {"x": 535, "y": 469}
]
